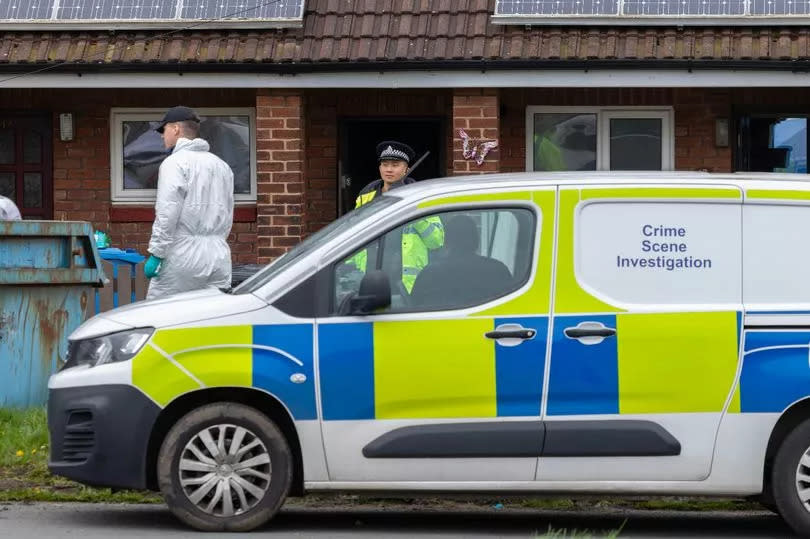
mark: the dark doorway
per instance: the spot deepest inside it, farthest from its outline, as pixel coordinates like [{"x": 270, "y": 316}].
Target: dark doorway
[
  {"x": 26, "y": 163},
  {"x": 359, "y": 138},
  {"x": 769, "y": 142}
]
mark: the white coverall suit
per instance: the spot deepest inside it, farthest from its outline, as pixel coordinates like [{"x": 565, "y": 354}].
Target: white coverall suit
[
  {"x": 8, "y": 210},
  {"x": 193, "y": 218}
]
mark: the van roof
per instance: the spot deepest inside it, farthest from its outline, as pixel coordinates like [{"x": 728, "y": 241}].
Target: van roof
[{"x": 531, "y": 180}]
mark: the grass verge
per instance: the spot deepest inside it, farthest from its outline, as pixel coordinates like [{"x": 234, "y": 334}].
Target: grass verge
[
  {"x": 24, "y": 475},
  {"x": 553, "y": 533}
]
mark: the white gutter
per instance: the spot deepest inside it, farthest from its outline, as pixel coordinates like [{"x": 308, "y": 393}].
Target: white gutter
[{"x": 547, "y": 78}]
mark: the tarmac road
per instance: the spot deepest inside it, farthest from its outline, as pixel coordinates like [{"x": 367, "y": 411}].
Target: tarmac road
[{"x": 95, "y": 521}]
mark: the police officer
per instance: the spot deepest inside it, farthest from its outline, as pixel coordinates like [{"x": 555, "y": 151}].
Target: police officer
[{"x": 418, "y": 238}]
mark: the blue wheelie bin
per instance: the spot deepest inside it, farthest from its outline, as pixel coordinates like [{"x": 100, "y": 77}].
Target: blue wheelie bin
[{"x": 124, "y": 263}]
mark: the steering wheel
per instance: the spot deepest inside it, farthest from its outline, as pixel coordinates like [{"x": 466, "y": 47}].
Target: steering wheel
[{"x": 344, "y": 308}]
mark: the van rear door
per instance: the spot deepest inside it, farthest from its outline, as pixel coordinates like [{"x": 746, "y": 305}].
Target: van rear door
[{"x": 646, "y": 325}]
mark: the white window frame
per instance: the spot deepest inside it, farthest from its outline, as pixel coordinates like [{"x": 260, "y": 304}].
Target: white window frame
[
  {"x": 603, "y": 117},
  {"x": 121, "y": 196}
]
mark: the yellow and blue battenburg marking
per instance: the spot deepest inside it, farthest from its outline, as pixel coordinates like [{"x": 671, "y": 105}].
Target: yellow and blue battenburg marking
[
  {"x": 429, "y": 369},
  {"x": 775, "y": 371},
  {"x": 179, "y": 361},
  {"x": 650, "y": 365},
  {"x": 447, "y": 368},
  {"x": 648, "y": 368}
]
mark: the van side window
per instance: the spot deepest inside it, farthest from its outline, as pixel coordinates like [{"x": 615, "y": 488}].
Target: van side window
[
  {"x": 449, "y": 260},
  {"x": 653, "y": 253},
  {"x": 776, "y": 254}
]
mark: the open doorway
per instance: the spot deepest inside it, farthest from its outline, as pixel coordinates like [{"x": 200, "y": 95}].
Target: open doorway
[
  {"x": 772, "y": 142},
  {"x": 359, "y": 138}
]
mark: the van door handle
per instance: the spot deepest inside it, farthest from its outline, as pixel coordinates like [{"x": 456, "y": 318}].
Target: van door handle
[
  {"x": 589, "y": 333},
  {"x": 576, "y": 333},
  {"x": 511, "y": 334}
]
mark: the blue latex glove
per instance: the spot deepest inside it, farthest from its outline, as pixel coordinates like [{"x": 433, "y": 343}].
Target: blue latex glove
[{"x": 152, "y": 266}]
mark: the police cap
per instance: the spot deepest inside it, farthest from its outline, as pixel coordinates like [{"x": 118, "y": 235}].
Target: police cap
[{"x": 388, "y": 150}]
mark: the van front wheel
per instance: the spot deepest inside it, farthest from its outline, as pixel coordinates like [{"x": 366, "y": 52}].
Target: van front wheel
[
  {"x": 790, "y": 479},
  {"x": 224, "y": 467}
]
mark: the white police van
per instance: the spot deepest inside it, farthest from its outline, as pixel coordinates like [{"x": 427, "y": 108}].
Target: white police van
[{"x": 637, "y": 333}]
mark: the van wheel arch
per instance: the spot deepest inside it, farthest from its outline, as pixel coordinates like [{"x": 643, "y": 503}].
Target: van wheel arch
[
  {"x": 261, "y": 401},
  {"x": 790, "y": 419}
]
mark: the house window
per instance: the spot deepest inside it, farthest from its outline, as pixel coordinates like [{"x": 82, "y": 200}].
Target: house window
[
  {"x": 593, "y": 138},
  {"x": 136, "y": 150}
]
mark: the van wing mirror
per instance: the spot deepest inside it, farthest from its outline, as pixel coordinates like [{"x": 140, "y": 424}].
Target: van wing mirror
[{"x": 374, "y": 293}]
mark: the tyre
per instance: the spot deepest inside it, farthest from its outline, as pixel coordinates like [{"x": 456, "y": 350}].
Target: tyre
[
  {"x": 790, "y": 479},
  {"x": 224, "y": 467}
]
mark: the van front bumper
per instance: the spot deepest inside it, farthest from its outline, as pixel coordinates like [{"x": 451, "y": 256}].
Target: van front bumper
[{"x": 100, "y": 434}]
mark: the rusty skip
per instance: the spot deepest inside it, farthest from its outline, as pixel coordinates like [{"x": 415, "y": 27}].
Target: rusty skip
[
  {"x": 47, "y": 271},
  {"x": 48, "y": 253}
]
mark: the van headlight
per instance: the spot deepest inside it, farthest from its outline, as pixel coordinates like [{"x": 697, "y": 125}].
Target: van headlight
[{"x": 110, "y": 348}]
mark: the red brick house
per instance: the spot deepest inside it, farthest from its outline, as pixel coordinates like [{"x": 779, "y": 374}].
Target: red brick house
[{"x": 298, "y": 109}]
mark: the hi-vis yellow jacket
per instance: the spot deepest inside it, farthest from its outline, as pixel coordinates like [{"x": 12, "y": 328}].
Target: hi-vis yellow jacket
[{"x": 418, "y": 238}]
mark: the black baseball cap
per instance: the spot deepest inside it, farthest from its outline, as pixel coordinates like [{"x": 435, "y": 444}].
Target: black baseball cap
[{"x": 177, "y": 114}]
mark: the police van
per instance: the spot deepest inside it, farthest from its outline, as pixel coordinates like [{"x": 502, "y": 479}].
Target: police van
[{"x": 635, "y": 333}]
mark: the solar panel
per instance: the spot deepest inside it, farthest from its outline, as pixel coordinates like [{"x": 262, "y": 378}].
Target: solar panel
[
  {"x": 557, "y": 7},
  {"x": 25, "y": 9},
  {"x": 780, "y": 7},
  {"x": 114, "y": 9},
  {"x": 684, "y": 7},
  {"x": 652, "y": 11},
  {"x": 144, "y": 12},
  {"x": 242, "y": 9}
]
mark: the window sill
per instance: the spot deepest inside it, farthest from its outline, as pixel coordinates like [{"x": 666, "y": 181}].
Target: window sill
[{"x": 146, "y": 214}]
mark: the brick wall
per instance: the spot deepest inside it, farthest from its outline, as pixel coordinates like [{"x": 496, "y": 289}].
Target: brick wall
[
  {"x": 695, "y": 114},
  {"x": 81, "y": 167},
  {"x": 298, "y": 188},
  {"x": 280, "y": 169},
  {"x": 477, "y": 112}
]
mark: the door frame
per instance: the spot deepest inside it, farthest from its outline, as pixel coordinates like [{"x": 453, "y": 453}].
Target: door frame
[
  {"x": 343, "y": 123},
  {"x": 739, "y": 113},
  {"x": 19, "y": 120}
]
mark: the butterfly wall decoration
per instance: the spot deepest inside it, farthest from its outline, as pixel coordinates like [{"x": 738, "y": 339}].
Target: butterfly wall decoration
[{"x": 476, "y": 149}]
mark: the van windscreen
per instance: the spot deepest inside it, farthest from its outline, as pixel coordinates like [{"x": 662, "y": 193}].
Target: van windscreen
[{"x": 316, "y": 240}]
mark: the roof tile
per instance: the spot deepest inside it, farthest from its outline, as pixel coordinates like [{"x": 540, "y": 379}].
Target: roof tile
[
  {"x": 668, "y": 45},
  {"x": 592, "y": 46},
  {"x": 553, "y": 45},
  {"x": 136, "y": 50},
  {"x": 744, "y": 46},
  {"x": 784, "y": 44},
  {"x": 802, "y": 45},
  {"x": 630, "y": 49},
  {"x": 650, "y": 44},
  {"x": 764, "y": 42}
]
